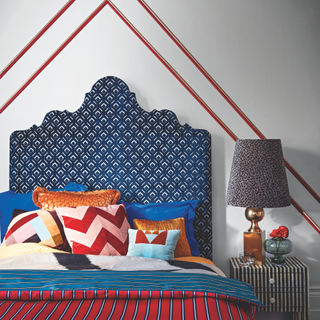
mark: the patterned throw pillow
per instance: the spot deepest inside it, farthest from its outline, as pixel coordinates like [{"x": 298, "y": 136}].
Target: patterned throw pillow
[
  {"x": 167, "y": 211},
  {"x": 157, "y": 244},
  {"x": 49, "y": 200},
  {"x": 96, "y": 230},
  {"x": 10, "y": 200},
  {"x": 182, "y": 247},
  {"x": 37, "y": 226}
]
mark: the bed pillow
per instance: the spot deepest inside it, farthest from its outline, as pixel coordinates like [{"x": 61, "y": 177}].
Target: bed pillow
[
  {"x": 39, "y": 226},
  {"x": 10, "y": 200},
  {"x": 182, "y": 248},
  {"x": 49, "y": 200},
  {"x": 96, "y": 230},
  {"x": 167, "y": 211},
  {"x": 157, "y": 244}
]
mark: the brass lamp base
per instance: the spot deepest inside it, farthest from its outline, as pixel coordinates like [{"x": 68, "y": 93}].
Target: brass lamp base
[
  {"x": 254, "y": 215},
  {"x": 253, "y": 242},
  {"x": 254, "y": 238}
]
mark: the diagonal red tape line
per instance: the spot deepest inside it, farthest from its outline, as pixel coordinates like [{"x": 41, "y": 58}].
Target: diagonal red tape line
[
  {"x": 73, "y": 35},
  {"x": 171, "y": 69},
  {"x": 36, "y": 38}
]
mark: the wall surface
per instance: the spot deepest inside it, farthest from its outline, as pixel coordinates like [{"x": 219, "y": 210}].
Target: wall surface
[{"x": 264, "y": 54}]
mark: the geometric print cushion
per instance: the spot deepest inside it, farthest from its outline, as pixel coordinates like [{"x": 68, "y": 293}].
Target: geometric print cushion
[
  {"x": 167, "y": 211},
  {"x": 182, "y": 248},
  {"x": 157, "y": 244},
  {"x": 37, "y": 226},
  {"x": 96, "y": 230}
]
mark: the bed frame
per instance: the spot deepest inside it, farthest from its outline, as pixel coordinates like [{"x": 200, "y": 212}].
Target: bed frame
[{"x": 111, "y": 142}]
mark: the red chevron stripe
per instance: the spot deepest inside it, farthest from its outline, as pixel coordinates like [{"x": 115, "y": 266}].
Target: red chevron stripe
[
  {"x": 82, "y": 225},
  {"x": 102, "y": 239},
  {"x": 116, "y": 219},
  {"x": 100, "y": 230},
  {"x": 118, "y": 243}
]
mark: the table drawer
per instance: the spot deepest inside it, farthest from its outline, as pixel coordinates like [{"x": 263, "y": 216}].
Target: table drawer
[{"x": 279, "y": 288}]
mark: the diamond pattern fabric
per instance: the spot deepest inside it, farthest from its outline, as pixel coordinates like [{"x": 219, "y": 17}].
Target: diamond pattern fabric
[{"x": 110, "y": 142}]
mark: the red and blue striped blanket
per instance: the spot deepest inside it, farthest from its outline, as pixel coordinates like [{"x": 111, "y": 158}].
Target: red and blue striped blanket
[{"x": 117, "y": 288}]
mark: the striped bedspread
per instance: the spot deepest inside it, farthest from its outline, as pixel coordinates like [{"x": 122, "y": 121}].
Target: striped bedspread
[{"x": 172, "y": 290}]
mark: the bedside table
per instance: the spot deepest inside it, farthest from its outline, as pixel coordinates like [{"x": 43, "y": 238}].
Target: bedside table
[{"x": 279, "y": 288}]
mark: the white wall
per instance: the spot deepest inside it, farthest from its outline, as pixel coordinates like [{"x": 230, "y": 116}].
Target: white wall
[{"x": 264, "y": 54}]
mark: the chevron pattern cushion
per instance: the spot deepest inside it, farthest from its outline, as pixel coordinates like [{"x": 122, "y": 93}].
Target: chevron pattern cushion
[
  {"x": 96, "y": 230},
  {"x": 10, "y": 200},
  {"x": 157, "y": 244}
]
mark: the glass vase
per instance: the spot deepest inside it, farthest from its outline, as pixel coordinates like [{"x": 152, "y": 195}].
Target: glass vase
[{"x": 278, "y": 247}]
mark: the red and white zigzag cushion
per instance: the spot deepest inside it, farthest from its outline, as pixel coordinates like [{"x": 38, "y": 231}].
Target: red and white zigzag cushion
[{"x": 96, "y": 230}]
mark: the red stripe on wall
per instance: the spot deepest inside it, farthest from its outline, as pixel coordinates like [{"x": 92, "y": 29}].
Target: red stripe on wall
[
  {"x": 199, "y": 66},
  {"x": 36, "y": 38},
  {"x": 173, "y": 71},
  {"x": 235, "y": 107},
  {"x": 71, "y": 37},
  {"x": 180, "y": 79}
]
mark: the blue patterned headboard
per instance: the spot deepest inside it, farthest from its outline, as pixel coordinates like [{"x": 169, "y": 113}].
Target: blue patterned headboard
[{"x": 111, "y": 142}]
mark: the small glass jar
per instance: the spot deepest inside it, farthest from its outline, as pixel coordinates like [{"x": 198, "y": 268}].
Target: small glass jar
[
  {"x": 246, "y": 259},
  {"x": 278, "y": 247}
]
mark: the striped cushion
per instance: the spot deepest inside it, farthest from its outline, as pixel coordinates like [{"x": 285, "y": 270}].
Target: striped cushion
[
  {"x": 37, "y": 226},
  {"x": 96, "y": 230}
]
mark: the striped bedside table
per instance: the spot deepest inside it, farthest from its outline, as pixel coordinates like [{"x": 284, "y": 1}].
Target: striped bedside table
[{"x": 279, "y": 288}]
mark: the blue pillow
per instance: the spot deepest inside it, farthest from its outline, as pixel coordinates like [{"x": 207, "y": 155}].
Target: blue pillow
[
  {"x": 10, "y": 200},
  {"x": 150, "y": 245},
  {"x": 166, "y": 211}
]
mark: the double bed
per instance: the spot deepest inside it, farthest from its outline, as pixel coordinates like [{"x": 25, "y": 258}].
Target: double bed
[{"x": 159, "y": 174}]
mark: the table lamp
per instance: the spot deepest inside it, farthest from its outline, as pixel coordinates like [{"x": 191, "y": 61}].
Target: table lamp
[{"x": 257, "y": 180}]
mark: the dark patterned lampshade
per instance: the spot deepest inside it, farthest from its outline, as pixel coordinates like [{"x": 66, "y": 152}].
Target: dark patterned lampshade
[{"x": 258, "y": 177}]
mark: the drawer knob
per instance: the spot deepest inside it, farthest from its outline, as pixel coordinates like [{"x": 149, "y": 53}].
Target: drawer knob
[
  {"x": 272, "y": 300},
  {"x": 271, "y": 281}
]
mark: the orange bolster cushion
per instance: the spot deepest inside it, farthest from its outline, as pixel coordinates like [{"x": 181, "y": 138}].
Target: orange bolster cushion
[{"x": 48, "y": 200}]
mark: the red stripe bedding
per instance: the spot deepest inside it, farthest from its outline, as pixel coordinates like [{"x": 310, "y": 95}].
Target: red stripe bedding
[
  {"x": 113, "y": 288},
  {"x": 126, "y": 309}
]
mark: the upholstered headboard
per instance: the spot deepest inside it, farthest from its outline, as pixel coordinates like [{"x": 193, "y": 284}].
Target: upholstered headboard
[{"x": 111, "y": 142}]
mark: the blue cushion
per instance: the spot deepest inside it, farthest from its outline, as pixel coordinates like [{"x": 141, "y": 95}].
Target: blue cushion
[
  {"x": 140, "y": 244},
  {"x": 10, "y": 200},
  {"x": 166, "y": 211}
]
